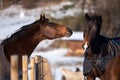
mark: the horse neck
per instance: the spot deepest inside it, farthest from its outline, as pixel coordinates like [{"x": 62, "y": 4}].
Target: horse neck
[
  {"x": 99, "y": 39},
  {"x": 25, "y": 43}
]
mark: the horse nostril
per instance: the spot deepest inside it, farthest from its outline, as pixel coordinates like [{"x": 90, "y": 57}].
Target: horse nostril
[{"x": 70, "y": 31}]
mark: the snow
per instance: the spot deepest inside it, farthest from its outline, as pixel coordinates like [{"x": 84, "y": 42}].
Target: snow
[
  {"x": 14, "y": 17},
  {"x": 58, "y": 56},
  {"x": 75, "y": 36},
  {"x": 57, "y": 60},
  {"x": 22, "y": 14}
]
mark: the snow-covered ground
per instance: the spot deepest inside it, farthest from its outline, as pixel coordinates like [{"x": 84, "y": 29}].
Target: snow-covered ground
[
  {"x": 14, "y": 17},
  {"x": 57, "y": 60}
]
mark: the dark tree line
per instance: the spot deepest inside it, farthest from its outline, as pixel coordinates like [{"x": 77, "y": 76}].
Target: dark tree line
[
  {"x": 111, "y": 14},
  {"x": 110, "y": 11}
]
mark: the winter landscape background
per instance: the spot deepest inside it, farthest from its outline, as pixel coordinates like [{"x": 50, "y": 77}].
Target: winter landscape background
[
  {"x": 17, "y": 13},
  {"x": 14, "y": 17}
]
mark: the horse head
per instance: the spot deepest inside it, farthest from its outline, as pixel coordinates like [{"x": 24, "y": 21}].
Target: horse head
[
  {"x": 92, "y": 28},
  {"x": 51, "y": 30},
  {"x": 25, "y": 40},
  {"x": 92, "y": 45}
]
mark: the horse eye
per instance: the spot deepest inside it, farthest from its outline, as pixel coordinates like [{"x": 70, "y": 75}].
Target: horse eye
[
  {"x": 47, "y": 20},
  {"x": 51, "y": 24}
]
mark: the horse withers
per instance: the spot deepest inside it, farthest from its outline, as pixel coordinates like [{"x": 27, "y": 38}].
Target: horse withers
[
  {"x": 25, "y": 40},
  {"x": 99, "y": 50}
]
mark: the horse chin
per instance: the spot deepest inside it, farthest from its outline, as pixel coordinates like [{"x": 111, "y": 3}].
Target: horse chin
[{"x": 67, "y": 35}]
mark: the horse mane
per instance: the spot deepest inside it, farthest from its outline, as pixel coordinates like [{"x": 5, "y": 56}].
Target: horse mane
[{"x": 20, "y": 32}]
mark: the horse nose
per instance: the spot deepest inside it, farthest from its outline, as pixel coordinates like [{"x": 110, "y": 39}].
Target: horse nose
[{"x": 70, "y": 31}]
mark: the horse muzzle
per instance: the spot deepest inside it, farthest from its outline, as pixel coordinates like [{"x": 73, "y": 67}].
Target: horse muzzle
[{"x": 69, "y": 32}]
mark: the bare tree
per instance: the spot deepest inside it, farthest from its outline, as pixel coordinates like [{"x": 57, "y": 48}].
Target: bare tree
[{"x": 111, "y": 16}]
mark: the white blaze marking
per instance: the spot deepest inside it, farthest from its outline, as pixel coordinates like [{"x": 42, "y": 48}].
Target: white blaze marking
[{"x": 85, "y": 46}]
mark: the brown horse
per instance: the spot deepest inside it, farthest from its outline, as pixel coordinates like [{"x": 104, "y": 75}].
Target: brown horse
[
  {"x": 27, "y": 38},
  {"x": 113, "y": 69},
  {"x": 99, "y": 50}
]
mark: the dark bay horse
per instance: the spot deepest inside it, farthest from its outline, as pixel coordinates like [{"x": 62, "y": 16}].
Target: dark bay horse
[
  {"x": 25, "y": 40},
  {"x": 99, "y": 50},
  {"x": 112, "y": 71}
]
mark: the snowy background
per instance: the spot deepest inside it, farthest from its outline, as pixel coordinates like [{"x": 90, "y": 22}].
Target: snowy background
[{"x": 14, "y": 17}]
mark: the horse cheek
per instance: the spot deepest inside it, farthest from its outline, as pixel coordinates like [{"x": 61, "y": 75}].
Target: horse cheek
[{"x": 49, "y": 33}]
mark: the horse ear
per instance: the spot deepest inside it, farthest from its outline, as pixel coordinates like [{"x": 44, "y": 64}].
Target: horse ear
[
  {"x": 87, "y": 17},
  {"x": 42, "y": 17},
  {"x": 100, "y": 17}
]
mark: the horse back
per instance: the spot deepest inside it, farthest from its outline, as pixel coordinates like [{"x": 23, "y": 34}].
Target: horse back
[
  {"x": 114, "y": 45},
  {"x": 116, "y": 40}
]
